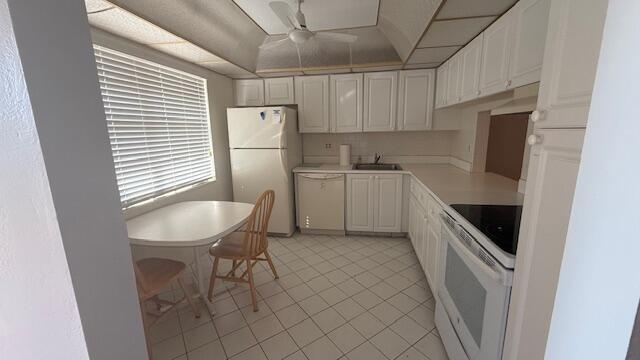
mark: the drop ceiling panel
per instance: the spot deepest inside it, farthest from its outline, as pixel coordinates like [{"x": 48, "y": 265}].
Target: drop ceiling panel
[
  {"x": 432, "y": 55},
  {"x": 469, "y": 8},
  {"x": 454, "y": 32},
  {"x": 127, "y": 25},
  {"x": 320, "y": 14},
  {"x": 187, "y": 51}
]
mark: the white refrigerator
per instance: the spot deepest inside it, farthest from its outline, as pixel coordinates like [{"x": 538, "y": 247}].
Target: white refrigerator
[{"x": 265, "y": 146}]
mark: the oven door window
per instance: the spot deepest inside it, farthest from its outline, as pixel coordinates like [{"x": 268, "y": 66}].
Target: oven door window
[{"x": 467, "y": 293}]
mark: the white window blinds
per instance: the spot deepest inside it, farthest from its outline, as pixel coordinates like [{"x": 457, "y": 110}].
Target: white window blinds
[{"x": 158, "y": 123}]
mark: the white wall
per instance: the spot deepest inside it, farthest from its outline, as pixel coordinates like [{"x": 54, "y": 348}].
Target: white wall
[
  {"x": 411, "y": 146},
  {"x": 220, "y": 92},
  {"x": 599, "y": 283},
  {"x": 31, "y": 245},
  {"x": 61, "y": 223}
]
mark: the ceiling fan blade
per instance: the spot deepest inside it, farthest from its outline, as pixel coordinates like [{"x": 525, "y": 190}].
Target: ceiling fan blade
[
  {"x": 273, "y": 44},
  {"x": 284, "y": 12},
  {"x": 339, "y": 37}
]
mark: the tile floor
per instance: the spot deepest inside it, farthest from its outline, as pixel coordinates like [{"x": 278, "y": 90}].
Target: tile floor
[{"x": 357, "y": 298}]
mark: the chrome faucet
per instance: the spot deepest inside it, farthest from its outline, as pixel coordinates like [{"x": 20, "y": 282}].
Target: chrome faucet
[{"x": 376, "y": 158}]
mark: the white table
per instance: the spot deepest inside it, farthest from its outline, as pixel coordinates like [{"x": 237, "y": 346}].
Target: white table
[{"x": 189, "y": 224}]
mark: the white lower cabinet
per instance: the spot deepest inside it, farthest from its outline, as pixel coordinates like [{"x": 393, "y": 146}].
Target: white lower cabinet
[
  {"x": 424, "y": 232},
  {"x": 374, "y": 202}
]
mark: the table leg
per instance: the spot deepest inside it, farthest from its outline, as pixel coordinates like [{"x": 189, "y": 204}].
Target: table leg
[{"x": 202, "y": 287}]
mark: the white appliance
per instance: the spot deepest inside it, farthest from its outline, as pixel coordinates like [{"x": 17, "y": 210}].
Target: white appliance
[
  {"x": 265, "y": 146},
  {"x": 321, "y": 201},
  {"x": 473, "y": 295}
]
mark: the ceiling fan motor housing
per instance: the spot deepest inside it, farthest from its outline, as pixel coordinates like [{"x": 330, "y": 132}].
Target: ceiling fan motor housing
[{"x": 299, "y": 36}]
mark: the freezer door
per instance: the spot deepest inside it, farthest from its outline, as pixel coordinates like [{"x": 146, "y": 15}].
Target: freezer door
[
  {"x": 256, "y": 170},
  {"x": 257, "y": 127}
]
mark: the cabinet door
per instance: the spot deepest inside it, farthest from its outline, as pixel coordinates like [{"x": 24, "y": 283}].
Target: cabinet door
[
  {"x": 387, "y": 203},
  {"x": 312, "y": 96},
  {"x": 346, "y": 103},
  {"x": 551, "y": 180},
  {"x": 412, "y": 221},
  {"x": 530, "y": 20},
  {"x": 278, "y": 91},
  {"x": 249, "y": 92},
  {"x": 470, "y": 59},
  {"x": 453, "y": 80},
  {"x": 415, "y": 99},
  {"x": 380, "y": 98},
  {"x": 441, "y": 86},
  {"x": 360, "y": 202},
  {"x": 494, "y": 71},
  {"x": 432, "y": 253},
  {"x": 570, "y": 61}
]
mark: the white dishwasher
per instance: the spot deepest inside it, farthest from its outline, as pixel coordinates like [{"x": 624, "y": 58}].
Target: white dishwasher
[{"x": 321, "y": 201}]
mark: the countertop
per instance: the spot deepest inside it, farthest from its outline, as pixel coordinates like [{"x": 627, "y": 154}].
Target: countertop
[{"x": 448, "y": 183}]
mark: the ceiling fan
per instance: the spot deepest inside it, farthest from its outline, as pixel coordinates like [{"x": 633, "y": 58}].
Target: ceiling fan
[{"x": 297, "y": 25}]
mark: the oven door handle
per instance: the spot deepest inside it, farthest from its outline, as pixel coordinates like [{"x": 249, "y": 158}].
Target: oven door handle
[{"x": 491, "y": 271}]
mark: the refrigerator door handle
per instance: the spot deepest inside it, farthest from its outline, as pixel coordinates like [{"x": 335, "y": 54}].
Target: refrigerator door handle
[{"x": 283, "y": 165}]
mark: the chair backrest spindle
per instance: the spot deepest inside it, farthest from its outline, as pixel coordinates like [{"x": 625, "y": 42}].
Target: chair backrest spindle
[{"x": 258, "y": 223}]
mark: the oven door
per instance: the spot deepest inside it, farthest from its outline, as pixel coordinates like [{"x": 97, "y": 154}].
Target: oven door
[{"x": 474, "y": 290}]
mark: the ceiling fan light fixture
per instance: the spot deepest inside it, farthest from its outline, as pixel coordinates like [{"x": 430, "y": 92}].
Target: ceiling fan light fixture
[{"x": 300, "y": 36}]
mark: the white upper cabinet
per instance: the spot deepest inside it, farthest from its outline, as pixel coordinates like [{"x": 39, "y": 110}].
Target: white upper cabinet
[
  {"x": 249, "y": 92},
  {"x": 415, "y": 99},
  {"x": 346, "y": 102},
  {"x": 530, "y": 20},
  {"x": 312, "y": 97},
  {"x": 453, "y": 80},
  {"x": 278, "y": 91},
  {"x": 441, "y": 86},
  {"x": 470, "y": 59},
  {"x": 570, "y": 61},
  {"x": 380, "y": 99},
  {"x": 494, "y": 73}
]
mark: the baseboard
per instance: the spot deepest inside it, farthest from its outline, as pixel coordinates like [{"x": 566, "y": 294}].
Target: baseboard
[{"x": 461, "y": 164}]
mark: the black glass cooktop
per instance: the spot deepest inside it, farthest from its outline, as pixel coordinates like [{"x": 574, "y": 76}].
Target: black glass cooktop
[{"x": 500, "y": 223}]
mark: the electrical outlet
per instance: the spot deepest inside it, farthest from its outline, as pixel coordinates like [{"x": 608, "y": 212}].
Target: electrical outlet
[{"x": 327, "y": 146}]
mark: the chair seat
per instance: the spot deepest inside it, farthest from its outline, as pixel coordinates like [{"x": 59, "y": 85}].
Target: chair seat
[
  {"x": 158, "y": 273},
  {"x": 231, "y": 246}
]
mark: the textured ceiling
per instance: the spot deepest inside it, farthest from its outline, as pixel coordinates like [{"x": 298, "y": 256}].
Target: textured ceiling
[
  {"x": 320, "y": 14},
  {"x": 225, "y": 35}
]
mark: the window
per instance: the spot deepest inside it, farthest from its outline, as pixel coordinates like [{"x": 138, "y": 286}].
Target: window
[{"x": 158, "y": 123}]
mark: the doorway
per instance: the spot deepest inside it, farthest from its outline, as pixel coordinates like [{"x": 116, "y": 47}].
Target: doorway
[{"x": 506, "y": 144}]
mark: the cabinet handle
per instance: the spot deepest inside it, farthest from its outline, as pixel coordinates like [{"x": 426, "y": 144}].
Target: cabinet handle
[
  {"x": 478, "y": 92},
  {"x": 534, "y": 139},
  {"x": 508, "y": 83},
  {"x": 537, "y": 115}
]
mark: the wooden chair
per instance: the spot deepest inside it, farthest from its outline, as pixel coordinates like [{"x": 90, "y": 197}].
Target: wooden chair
[
  {"x": 152, "y": 276},
  {"x": 245, "y": 246}
]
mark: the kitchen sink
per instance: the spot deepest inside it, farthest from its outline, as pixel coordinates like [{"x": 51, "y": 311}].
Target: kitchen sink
[{"x": 378, "y": 167}]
